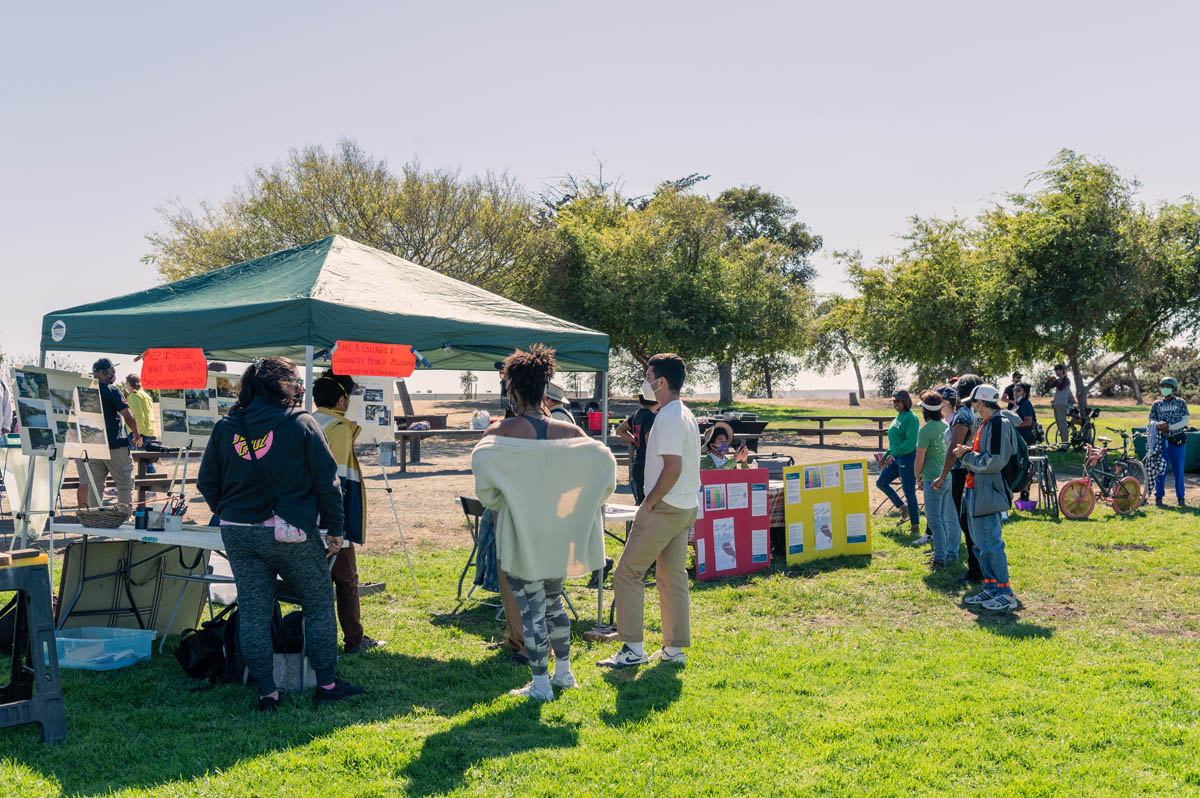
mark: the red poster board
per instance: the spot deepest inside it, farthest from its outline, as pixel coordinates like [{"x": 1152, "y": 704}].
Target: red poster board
[
  {"x": 174, "y": 369},
  {"x": 366, "y": 359},
  {"x": 733, "y": 524}
]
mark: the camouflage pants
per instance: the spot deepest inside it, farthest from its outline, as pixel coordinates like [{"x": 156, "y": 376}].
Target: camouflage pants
[{"x": 546, "y": 623}]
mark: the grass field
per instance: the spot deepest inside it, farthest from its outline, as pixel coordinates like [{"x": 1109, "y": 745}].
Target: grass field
[{"x": 858, "y": 675}]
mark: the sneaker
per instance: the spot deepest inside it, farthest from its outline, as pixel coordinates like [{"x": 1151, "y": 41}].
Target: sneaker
[
  {"x": 1002, "y": 602},
  {"x": 530, "y": 691},
  {"x": 267, "y": 703},
  {"x": 1158, "y": 501},
  {"x": 921, "y": 541},
  {"x": 366, "y": 644},
  {"x": 936, "y": 564},
  {"x": 676, "y": 659},
  {"x": 977, "y": 599},
  {"x": 566, "y": 681},
  {"x": 625, "y": 658},
  {"x": 1182, "y": 503},
  {"x": 608, "y": 566},
  {"x": 339, "y": 691}
]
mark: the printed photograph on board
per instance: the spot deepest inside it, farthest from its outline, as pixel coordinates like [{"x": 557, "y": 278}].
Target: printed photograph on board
[
  {"x": 227, "y": 387},
  {"x": 66, "y": 432},
  {"x": 374, "y": 412},
  {"x": 174, "y": 421},
  {"x": 373, "y": 395},
  {"x": 34, "y": 412},
  {"x": 90, "y": 434},
  {"x": 40, "y": 440},
  {"x": 170, "y": 393},
  {"x": 200, "y": 426},
  {"x": 31, "y": 385},
  {"x": 62, "y": 401},
  {"x": 196, "y": 399},
  {"x": 224, "y": 405},
  {"x": 89, "y": 400}
]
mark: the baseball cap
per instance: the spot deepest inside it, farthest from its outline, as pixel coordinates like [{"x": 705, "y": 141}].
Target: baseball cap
[{"x": 985, "y": 393}]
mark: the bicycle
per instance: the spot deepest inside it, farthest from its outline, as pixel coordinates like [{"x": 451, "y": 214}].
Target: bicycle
[
  {"x": 1080, "y": 431},
  {"x": 1078, "y": 497},
  {"x": 1127, "y": 464},
  {"x": 1042, "y": 473}
]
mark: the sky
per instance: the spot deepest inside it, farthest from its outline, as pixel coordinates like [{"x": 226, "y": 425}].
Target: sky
[{"x": 862, "y": 114}]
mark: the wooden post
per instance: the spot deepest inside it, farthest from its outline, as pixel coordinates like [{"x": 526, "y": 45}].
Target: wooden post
[{"x": 821, "y": 433}]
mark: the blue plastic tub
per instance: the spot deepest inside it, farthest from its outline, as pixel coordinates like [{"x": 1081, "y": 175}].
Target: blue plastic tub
[{"x": 99, "y": 648}]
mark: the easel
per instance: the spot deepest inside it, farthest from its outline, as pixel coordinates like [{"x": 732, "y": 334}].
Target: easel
[
  {"x": 387, "y": 486},
  {"x": 22, "y": 525}
]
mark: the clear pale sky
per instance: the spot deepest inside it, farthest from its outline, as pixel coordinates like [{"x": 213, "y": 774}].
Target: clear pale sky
[{"x": 861, "y": 113}]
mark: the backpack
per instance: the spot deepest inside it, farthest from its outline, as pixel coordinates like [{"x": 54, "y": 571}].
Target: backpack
[
  {"x": 213, "y": 652},
  {"x": 1017, "y": 471}
]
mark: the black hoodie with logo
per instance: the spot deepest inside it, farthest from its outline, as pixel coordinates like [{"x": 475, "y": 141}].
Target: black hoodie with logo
[{"x": 295, "y": 478}]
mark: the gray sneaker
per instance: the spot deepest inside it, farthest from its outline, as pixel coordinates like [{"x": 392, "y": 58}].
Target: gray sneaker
[
  {"x": 625, "y": 658},
  {"x": 978, "y": 598},
  {"x": 1001, "y": 602}
]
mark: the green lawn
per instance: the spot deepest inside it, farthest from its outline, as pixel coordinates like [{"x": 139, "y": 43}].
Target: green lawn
[{"x": 859, "y": 675}]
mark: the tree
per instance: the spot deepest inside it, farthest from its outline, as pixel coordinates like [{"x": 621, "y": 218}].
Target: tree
[
  {"x": 474, "y": 229},
  {"x": 834, "y": 343},
  {"x": 468, "y": 384}
]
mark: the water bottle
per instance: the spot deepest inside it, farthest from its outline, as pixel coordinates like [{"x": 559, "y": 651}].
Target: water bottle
[{"x": 139, "y": 517}]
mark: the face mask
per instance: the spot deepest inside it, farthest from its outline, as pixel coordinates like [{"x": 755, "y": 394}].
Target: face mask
[
  {"x": 721, "y": 448},
  {"x": 1166, "y": 391},
  {"x": 647, "y": 391}
]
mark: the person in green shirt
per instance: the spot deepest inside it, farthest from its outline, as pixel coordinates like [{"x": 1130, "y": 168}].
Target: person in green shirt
[
  {"x": 941, "y": 514},
  {"x": 899, "y": 459},
  {"x": 142, "y": 407},
  {"x": 716, "y": 449}
]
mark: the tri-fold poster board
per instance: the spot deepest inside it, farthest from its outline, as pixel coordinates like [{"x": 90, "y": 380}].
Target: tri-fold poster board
[
  {"x": 733, "y": 523},
  {"x": 59, "y": 412},
  {"x": 827, "y": 510}
]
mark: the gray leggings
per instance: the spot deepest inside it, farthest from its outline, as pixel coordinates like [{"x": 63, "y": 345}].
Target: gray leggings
[
  {"x": 256, "y": 557},
  {"x": 545, "y": 621}
]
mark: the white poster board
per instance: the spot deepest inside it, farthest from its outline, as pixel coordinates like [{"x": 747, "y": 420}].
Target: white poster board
[
  {"x": 186, "y": 417},
  {"x": 372, "y": 407},
  {"x": 59, "y": 412}
]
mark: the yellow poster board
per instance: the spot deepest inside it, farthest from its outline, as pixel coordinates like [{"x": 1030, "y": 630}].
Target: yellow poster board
[{"x": 826, "y": 510}]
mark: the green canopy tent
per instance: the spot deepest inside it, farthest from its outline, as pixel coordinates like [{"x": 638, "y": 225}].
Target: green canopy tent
[{"x": 300, "y": 301}]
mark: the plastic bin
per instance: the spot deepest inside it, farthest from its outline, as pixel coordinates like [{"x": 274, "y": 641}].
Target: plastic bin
[
  {"x": 595, "y": 420},
  {"x": 99, "y": 648}
]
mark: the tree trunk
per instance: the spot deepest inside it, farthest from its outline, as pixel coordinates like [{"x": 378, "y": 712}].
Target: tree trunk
[
  {"x": 1135, "y": 385},
  {"x": 597, "y": 385},
  {"x": 862, "y": 393},
  {"x": 725, "y": 377},
  {"x": 767, "y": 380},
  {"x": 1077, "y": 378}
]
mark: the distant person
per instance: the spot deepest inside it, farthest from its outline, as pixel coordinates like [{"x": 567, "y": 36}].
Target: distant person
[
  {"x": 962, "y": 429},
  {"x": 6, "y": 409},
  {"x": 1169, "y": 417},
  {"x": 331, "y": 395},
  {"x": 1061, "y": 400},
  {"x": 660, "y": 530},
  {"x": 546, "y": 481},
  {"x": 898, "y": 461},
  {"x": 715, "y": 445},
  {"x": 267, "y": 473},
  {"x": 941, "y": 515},
  {"x": 557, "y": 404},
  {"x": 1026, "y": 424},
  {"x": 1008, "y": 390},
  {"x": 636, "y": 430},
  {"x": 142, "y": 407},
  {"x": 120, "y": 464},
  {"x": 987, "y": 496}
]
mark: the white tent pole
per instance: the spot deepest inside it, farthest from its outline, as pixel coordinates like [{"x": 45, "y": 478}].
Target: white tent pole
[
  {"x": 42, "y": 358},
  {"x": 308, "y": 382},
  {"x": 604, "y": 409}
]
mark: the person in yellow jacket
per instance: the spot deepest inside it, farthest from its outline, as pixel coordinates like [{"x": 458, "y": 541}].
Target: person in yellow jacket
[{"x": 331, "y": 394}]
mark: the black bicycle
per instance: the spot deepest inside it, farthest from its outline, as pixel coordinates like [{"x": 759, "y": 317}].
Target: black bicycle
[
  {"x": 1042, "y": 473},
  {"x": 1080, "y": 432},
  {"x": 1127, "y": 464}
]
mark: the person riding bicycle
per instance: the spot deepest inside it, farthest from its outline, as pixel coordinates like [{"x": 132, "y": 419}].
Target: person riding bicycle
[{"x": 1167, "y": 439}]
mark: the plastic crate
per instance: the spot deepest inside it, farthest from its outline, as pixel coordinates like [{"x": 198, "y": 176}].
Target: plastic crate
[{"x": 99, "y": 648}]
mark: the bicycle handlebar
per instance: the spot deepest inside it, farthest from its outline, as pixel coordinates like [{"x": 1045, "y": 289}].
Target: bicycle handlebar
[{"x": 1120, "y": 432}]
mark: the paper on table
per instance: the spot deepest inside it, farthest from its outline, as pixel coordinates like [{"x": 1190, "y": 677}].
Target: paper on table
[
  {"x": 856, "y": 527},
  {"x": 830, "y": 472},
  {"x": 791, "y": 488},
  {"x": 822, "y": 526},
  {"x": 724, "y": 545},
  {"x": 758, "y": 548},
  {"x": 853, "y": 475},
  {"x": 796, "y": 537},
  {"x": 738, "y": 496},
  {"x": 758, "y": 499}
]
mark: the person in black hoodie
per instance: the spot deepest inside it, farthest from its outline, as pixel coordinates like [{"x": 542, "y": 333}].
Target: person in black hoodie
[{"x": 267, "y": 494}]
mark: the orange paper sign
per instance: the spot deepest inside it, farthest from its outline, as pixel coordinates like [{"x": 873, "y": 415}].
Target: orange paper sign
[
  {"x": 174, "y": 368},
  {"x": 373, "y": 360}
]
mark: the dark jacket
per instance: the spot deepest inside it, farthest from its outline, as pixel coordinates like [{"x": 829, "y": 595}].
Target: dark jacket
[{"x": 295, "y": 478}]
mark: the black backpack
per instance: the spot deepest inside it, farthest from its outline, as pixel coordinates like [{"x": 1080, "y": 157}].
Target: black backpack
[
  {"x": 1017, "y": 470},
  {"x": 213, "y": 652}
]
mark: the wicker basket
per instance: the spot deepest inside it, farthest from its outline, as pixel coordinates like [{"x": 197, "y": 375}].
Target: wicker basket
[{"x": 104, "y": 518}]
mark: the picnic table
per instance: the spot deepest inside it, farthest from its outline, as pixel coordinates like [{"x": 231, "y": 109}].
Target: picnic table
[
  {"x": 413, "y": 437},
  {"x": 878, "y": 431},
  {"x": 143, "y": 480}
]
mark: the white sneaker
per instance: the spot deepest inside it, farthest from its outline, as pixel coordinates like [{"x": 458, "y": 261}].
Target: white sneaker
[
  {"x": 625, "y": 658},
  {"x": 676, "y": 659},
  {"x": 1002, "y": 602},
  {"x": 978, "y": 599},
  {"x": 530, "y": 691},
  {"x": 566, "y": 681},
  {"x": 921, "y": 541}
]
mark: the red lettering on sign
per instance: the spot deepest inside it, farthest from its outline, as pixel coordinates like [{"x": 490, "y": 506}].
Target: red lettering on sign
[
  {"x": 174, "y": 368},
  {"x": 373, "y": 360}
]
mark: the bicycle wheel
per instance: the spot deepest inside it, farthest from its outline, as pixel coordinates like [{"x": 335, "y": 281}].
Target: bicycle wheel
[
  {"x": 1049, "y": 489},
  {"x": 1132, "y": 467},
  {"x": 1087, "y": 436},
  {"x": 1054, "y": 435},
  {"x": 1126, "y": 496},
  {"x": 1077, "y": 499}
]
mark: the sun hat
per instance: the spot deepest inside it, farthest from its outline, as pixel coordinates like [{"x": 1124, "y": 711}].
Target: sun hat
[{"x": 712, "y": 431}]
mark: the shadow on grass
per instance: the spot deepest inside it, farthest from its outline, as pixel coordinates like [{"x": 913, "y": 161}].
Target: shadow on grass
[
  {"x": 1011, "y": 625},
  {"x": 641, "y": 691},
  {"x": 146, "y": 726},
  {"x": 446, "y": 756}
]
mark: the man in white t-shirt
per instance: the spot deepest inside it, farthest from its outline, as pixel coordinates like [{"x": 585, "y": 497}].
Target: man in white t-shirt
[{"x": 659, "y": 532}]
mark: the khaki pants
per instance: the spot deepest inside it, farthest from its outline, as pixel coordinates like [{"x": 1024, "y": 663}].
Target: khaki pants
[
  {"x": 120, "y": 465},
  {"x": 1060, "y": 418},
  {"x": 658, "y": 535},
  {"x": 514, "y": 633}
]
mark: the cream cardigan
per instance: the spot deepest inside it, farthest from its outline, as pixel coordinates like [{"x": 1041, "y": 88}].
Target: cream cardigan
[{"x": 548, "y": 497}]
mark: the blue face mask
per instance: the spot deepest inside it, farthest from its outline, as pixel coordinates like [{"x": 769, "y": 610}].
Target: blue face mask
[
  {"x": 720, "y": 448},
  {"x": 1166, "y": 391}
]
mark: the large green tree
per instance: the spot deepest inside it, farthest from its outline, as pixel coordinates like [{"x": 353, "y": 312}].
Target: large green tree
[
  {"x": 835, "y": 341},
  {"x": 475, "y": 229}
]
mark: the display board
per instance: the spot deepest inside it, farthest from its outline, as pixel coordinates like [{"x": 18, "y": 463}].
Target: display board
[
  {"x": 827, "y": 510},
  {"x": 733, "y": 523},
  {"x": 59, "y": 412},
  {"x": 186, "y": 417},
  {"x": 371, "y": 407}
]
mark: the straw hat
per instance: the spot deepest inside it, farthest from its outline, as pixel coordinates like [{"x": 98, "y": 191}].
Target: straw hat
[{"x": 712, "y": 431}]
